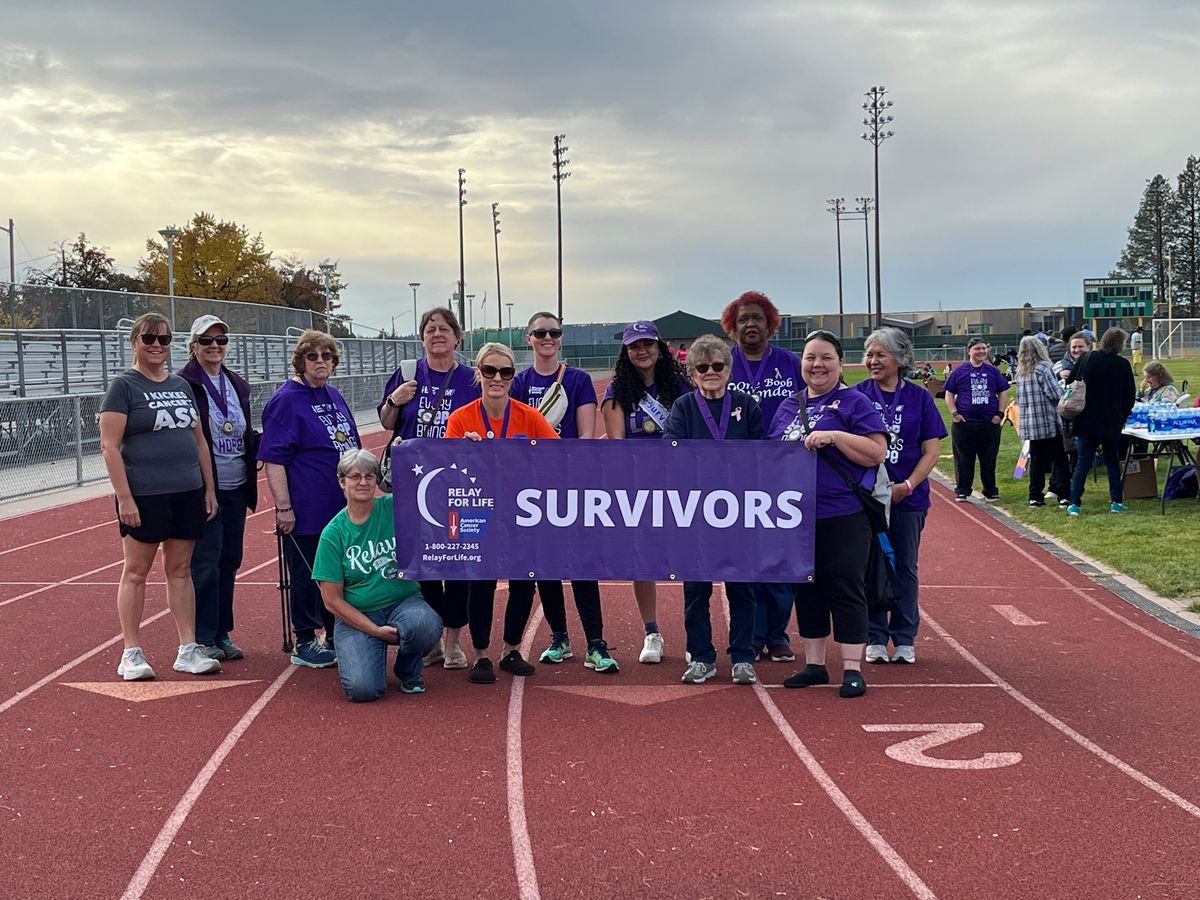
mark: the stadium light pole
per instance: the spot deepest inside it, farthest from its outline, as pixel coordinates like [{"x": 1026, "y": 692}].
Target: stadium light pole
[
  {"x": 836, "y": 206},
  {"x": 877, "y": 120},
  {"x": 510, "y": 306},
  {"x": 12, "y": 273},
  {"x": 169, "y": 235},
  {"x": 414, "y": 285},
  {"x": 864, "y": 208},
  {"x": 496, "y": 239},
  {"x": 560, "y": 172},
  {"x": 327, "y": 269},
  {"x": 462, "y": 271}
]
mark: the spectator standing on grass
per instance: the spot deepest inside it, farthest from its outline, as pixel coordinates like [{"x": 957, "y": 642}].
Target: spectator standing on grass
[
  {"x": 646, "y": 382},
  {"x": 1038, "y": 392},
  {"x": 975, "y": 395},
  {"x": 1079, "y": 344},
  {"x": 223, "y": 402},
  {"x": 916, "y": 430},
  {"x": 1058, "y": 344},
  {"x": 1110, "y": 397},
  {"x": 157, "y": 459},
  {"x": 770, "y": 375},
  {"x": 1135, "y": 345},
  {"x": 566, "y": 396},
  {"x": 307, "y": 426},
  {"x": 714, "y": 412}
]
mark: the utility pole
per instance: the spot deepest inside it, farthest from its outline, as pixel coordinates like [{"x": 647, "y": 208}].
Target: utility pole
[
  {"x": 169, "y": 235},
  {"x": 510, "y": 306},
  {"x": 496, "y": 238},
  {"x": 12, "y": 274},
  {"x": 864, "y": 207},
  {"x": 462, "y": 271},
  {"x": 560, "y": 172},
  {"x": 876, "y": 121},
  {"x": 414, "y": 285},
  {"x": 836, "y": 205}
]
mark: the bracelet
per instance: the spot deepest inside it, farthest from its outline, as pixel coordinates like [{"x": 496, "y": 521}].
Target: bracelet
[
  {"x": 908, "y": 484},
  {"x": 280, "y": 509},
  {"x": 390, "y": 402}
]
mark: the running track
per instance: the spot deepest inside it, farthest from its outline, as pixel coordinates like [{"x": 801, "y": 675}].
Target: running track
[{"x": 1044, "y": 746}]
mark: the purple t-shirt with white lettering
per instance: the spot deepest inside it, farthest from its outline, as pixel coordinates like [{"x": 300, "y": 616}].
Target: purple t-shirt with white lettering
[
  {"x": 771, "y": 379},
  {"x": 842, "y": 409},
  {"x": 976, "y": 391},
  {"x": 635, "y": 422},
  {"x": 461, "y": 389},
  {"x": 306, "y": 430},
  {"x": 529, "y": 387},
  {"x": 911, "y": 417}
]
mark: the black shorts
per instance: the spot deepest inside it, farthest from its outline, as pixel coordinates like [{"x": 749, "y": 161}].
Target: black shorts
[{"x": 168, "y": 516}]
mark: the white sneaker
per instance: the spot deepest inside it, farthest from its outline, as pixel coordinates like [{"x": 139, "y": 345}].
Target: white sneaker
[
  {"x": 133, "y": 665},
  {"x": 652, "y": 649},
  {"x": 877, "y": 653},
  {"x": 191, "y": 659},
  {"x": 904, "y": 654}
]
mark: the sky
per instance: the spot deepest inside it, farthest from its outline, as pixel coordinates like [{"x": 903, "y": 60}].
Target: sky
[{"x": 704, "y": 137}]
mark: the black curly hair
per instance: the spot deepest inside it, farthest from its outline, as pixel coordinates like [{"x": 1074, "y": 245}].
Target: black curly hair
[{"x": 629, "y": 389}]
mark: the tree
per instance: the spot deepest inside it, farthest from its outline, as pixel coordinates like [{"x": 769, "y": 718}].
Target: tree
[
  {"x": 1145, "y": 249},
  {"x": 83, "y": 265},
  {"x": 215, "y": 259},
  {"x": 304, "y": 288},
  {"x": 1185, "y": 237}
]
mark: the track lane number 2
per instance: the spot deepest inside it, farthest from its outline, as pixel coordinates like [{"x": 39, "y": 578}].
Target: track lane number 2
[{"x": 913, "y": 751}]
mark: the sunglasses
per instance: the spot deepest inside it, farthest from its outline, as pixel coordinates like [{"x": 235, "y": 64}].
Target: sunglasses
[
  {"x": 506, "y": 372},
  {"x": 324, "y": 356},
  {"x": 822, "y": 335},
  {"x": 163, "y": 339},
  {"x": 543, "y": 333},
  {"x": 703, "y": 368},
  {"x": 206, "y": 339}
]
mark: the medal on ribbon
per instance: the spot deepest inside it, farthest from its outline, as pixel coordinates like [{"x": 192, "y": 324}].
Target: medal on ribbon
[
  {"x": 649, "y": 426},
  {"x": 227, "y": 427}
]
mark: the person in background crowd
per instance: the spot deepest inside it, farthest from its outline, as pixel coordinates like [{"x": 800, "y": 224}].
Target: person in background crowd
[
  {"x": 160, "y": 468},
  {"x": 1157, "y": 384},
  {"x": 373, "y": 608},
  {"x": 843, "y": 428},
  {"x": 1079, "y": 344},
  {"x": 1038, "y": 393},
  {"x": 975, "y": 395},
  {"x": 714, "y": 412},
  {"x": 223, "y": 402},
  {"x": 567, "y": 398},
  {"x": 646, "y": 382},
  {"x": 682, "y": 355},
  {"x": 1058, "y": 344},
  {"x": 496, "y": 416},
  {"x": 1135, "y": 345},
  {"x": 1110, "y": 396},
  {"x": 419, "y": 407},
  {"x": 307, "y": 426},
  {"x": 912, "y": 420},
  {"x": 770, "y": 375}
]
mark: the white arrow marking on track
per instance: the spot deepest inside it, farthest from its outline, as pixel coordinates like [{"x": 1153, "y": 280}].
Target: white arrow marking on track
[
  {"x": 913, "y": 750},
  {"x": 1015, "y": 616}
]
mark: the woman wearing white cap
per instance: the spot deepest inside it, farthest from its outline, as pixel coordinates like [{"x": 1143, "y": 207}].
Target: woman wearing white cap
[{"x": 223, "y": 401}]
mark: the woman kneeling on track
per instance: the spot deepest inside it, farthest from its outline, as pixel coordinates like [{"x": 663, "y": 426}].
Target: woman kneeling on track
[
  {"x": 355, "y": 568},
  {"x": 160, "y": 468},
  {"x": 646, "y": 381},
  {"x": 846, "y": 432},
  {"x": 497, "y": 416},
  {"x": 712, "y": 412}
]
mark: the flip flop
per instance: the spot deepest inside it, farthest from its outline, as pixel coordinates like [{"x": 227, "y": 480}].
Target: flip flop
[{"x": 455, "y": 659}]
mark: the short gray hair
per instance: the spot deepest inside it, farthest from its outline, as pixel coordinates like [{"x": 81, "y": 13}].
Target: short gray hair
[
  {"x": 361, "y": 459},
  {"x": 895, "y": 342},
  {"x": 710, "y": 348}
]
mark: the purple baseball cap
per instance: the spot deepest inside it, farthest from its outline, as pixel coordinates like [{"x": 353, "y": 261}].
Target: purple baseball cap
[{"x": 643, "y": 330}]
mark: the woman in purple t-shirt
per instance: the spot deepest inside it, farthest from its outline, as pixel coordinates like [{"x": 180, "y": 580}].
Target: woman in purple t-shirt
[
  {"x": 843, "y": 428},
  {"x": 916, "y": 430}
]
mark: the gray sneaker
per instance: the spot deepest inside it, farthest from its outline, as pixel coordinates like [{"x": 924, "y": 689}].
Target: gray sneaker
[
  {"x": 904, "y": 654},
  {"x": 743, "y": 673},
  {"x": 133, "y": 665},
  {"x": 192, "y": 659},
  {"x": 699, "y": 672},
  {"x": 212, "y": 651},
  {"x": 877, "y": 653}
]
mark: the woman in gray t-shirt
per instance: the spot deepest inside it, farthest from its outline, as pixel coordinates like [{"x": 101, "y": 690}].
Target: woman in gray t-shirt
[{"x": 161, "y": 470}]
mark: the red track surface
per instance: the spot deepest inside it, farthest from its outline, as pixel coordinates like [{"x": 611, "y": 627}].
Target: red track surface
[{"x": 569, "y": 784}]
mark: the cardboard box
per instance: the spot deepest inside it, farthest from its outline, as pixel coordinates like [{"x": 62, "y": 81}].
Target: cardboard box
[{"x": 1141, "y": 479}]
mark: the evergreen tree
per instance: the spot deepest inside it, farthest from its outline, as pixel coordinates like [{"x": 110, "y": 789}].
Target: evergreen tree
[
  {"x": 1145, "y": 254},
  {"x": 1185, "y": 239}
]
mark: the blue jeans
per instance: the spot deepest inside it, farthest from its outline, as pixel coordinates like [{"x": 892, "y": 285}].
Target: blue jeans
[
  {"x": 697, "y": 621},
  {"x": 900, "y": 625},
  {"x": 772, "y": 612},
  {"x": 215, "y": 562},
  {"x": 1087, "y": 448},
  {"x": 362, "y": 659}
]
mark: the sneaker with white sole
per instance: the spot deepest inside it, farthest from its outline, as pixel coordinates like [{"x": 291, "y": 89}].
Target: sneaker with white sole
[
  {"x": 599, "y": 659},
  {"x": 905, "y": 653},
  {"x": 314, "y": 655},
  {"x": 652, "y": 649},
  {"x": 212, "y": 651},
  {"x": 877, "y": 653},
  {"x": 193, "y": 660},
  {"x": 743, "y": 673},
  {"x": 558, "y": 651},
  {"x": 133, "y": 665},
  {"x": 699, "y": 672}
]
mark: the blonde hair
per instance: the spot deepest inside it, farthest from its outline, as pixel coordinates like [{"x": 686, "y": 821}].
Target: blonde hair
[{"x": 148, "y": 323}]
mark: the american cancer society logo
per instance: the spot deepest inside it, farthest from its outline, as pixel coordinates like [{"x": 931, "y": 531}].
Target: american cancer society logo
[{"x": 449, "y": 499}]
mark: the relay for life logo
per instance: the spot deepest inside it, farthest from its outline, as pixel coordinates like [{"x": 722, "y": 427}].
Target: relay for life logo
[{"x": 450, "y": 498}]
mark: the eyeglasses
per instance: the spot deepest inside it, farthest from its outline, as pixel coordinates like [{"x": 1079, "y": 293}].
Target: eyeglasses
[
  {"x": 703, "y": 368},
  {"x": 163, "y": 339},
  {"x": 206, "y": 339},
  {"x": 505, "y": 372},
  {"x": 360, "y": 476},
  {"x": 324, "y": 356},
  {"x": 543, "y": 333}
]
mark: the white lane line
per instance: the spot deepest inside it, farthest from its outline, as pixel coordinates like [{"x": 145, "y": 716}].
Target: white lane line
[
  {"x": 57, "y": 537},
  {"x": 845, "y": 805},
  {"x": 518, "y": 824},
  {"x": 55, "y": 584},
  {"x": 1140, "y": 777},
  {"x": 57, "y": 673},
  {"x": 1080, "y": 592},
  {"x": 1015, "y": 616},
  {"x": 145, "y": 872},
  {"x": 874, "y": 686}
]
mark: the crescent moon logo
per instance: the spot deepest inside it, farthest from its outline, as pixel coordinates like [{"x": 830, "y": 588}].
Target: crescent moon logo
[{"x": 422, "y": 505}]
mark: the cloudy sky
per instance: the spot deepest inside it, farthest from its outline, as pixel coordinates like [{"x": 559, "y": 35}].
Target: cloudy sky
[{"x": 705, "y": 138}]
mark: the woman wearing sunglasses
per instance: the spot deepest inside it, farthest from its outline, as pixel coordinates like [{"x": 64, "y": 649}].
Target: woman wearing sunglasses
[
  {"x": 307, "y": 426},
  {"x": 161, "y": 471},
  {"x": 567, "y": 399},
  {"x": 497, "y": 416},
  {"x": 223, "y": 401}
]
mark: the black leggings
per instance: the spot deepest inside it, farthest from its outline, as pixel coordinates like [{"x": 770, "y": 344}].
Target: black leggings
[
  {"x": 448, "y": 599},
  {"x": 838, "y": 590},
  {"x": 481, "y": 600},
  {"x": 587, "y": 603}
]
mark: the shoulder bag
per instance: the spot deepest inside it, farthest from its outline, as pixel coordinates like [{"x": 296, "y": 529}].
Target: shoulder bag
[{"x": 1074, "y": 398}]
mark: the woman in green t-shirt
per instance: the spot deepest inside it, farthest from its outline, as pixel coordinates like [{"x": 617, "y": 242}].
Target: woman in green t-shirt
[{"x": 356, "y": 570}]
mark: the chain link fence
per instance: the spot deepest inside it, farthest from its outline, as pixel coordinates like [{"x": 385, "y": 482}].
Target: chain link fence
[{"x": 1175, "y": 338}]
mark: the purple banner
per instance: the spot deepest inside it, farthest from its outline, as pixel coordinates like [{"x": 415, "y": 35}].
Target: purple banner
[{"x": 663, "y": 511}]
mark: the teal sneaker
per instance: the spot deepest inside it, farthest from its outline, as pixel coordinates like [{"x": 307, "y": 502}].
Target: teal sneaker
[
  {"x": 1118, "y": 507},
  {"x": 598, "y": 658},
  {"x": 558, "y": 651},
  {"x": 1073, "y": 510}
]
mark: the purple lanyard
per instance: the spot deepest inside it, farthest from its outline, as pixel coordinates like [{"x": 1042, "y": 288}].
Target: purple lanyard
[
  {"x": 218, "y": 396},
  {"x": 887, "y": 410},
  {"x": 487, "y": 425},
  {"x": 757, "y": 373},
  {"x": 717, "y": 433}
]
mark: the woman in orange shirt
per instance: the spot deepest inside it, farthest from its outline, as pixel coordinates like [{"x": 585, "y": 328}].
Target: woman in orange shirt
[{"x": 496, "y": 416}]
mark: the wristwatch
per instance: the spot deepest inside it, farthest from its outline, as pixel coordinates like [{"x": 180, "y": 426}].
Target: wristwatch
[{"x": 388, "y": 401}]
